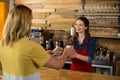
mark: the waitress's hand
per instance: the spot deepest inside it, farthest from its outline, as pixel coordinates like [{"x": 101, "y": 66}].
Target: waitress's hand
[
  {"x": 73, "y": 55},
  {"x": 69, "y": 51}
]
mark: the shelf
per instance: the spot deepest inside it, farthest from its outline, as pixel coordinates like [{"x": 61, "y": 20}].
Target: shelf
[
  {"x": 98, "y": 14},
  {"x": 103, "y": 36},
  {"x": 106, "y": 26},
  {"x": 77, "y": 12},
  {"x": 42, "y": 10},
  {"x": 104, "y": 66}
]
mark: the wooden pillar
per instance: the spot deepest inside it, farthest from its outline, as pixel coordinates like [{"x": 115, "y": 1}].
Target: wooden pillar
[{"x": 4, "y": 6}]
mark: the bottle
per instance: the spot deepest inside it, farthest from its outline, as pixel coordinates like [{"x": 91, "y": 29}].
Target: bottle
[
  {"x": 60, "y": 43},
  {"x": 111, "y": 56},
  {"x": 47, "y": 45},
  {"x": 118, "y": 32},
  {"x": 41, "y": 37},
  {"x": 42, "y": 43},
  {"x": 100, "y": 53},
  {"x": 58, "y": 49},
  {"x": 104, "y": 53},
  {"x": 51, "y": 44},
  {"x": 114, "y": 59},
  {"x": 97, "y": 53},
  {"x": 36, "y": 36},
  {"x": 107, "y": 57},
  {"x": 56, "y": 44},
  {"x": 119, "y": 23},
  {"x": 72, "y": 31},
  {"x": 32, "y": 34}
]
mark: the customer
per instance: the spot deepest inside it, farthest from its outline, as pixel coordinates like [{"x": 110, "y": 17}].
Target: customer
[
  {"x": 20, "y": 57},
  {"x": 84, "y": 46}
]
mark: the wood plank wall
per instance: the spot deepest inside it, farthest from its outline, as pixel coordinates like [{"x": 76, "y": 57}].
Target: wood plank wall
[
  {"x": 113, "y": 45},
  {"x": 52, "y": 13},
  {"x": 61, "y": 14}
]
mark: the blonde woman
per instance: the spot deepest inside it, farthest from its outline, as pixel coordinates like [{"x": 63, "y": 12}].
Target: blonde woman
[{"x": 21, "y": 58}]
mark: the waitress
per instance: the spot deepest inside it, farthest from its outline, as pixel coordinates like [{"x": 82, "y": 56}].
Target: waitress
[{"x": 84, "y": 46}]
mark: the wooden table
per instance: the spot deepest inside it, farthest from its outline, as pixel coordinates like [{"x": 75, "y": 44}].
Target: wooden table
[{"x": 52, "y": 74}]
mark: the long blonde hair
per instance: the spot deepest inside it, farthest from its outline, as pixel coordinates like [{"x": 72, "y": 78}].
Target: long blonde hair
[{"x": 17, "y": 24}]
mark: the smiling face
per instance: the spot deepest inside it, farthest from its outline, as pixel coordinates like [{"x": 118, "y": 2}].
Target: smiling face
[{"x": 80, "y": 26}]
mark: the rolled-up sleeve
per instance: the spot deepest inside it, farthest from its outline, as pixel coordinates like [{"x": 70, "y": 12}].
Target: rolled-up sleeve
[
  {"x": 91, "y": 48},
  {"x": 39, "y": 55}
]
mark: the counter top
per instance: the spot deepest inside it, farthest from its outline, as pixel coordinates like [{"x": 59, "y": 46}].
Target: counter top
[{"x": 52, "y": 74}]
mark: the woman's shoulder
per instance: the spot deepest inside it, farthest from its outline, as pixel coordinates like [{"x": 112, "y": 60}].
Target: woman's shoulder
[
  {"x": 92, "y": 40},
  {"x": 28, "y": 43}
]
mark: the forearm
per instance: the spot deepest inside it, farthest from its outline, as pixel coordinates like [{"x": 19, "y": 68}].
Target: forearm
[
  {"x": 56, "y": 63},
  {"x": 82, "y": 57},
  {"x": 61, "y": 61}
]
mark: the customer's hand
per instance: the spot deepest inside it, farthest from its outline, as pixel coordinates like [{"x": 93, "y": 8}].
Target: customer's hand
[
  {"x": 73, "y": 55},
  {"x": 55, "y": 52},
  {"x": 58, "y": 50},
  {"x": 50, "y": 52},
  {"x": 69, "y": 51}
]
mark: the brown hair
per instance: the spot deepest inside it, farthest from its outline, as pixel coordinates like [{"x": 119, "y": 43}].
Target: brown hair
[{"x": 86, "y": 23}]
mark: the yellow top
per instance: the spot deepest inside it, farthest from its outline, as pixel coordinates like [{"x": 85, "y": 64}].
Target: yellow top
[{"x": 23, "y": 59}]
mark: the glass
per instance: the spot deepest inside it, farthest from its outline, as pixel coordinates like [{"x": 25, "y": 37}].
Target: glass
[
  {"x": 109, "y": 7},
  {"x": 105, "y": 8},
  {"x": 115, "y": 7},
  {"x": 98, "y": 8}
]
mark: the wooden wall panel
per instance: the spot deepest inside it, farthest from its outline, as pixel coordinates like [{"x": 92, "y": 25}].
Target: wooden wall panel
[
  {"x": 62, "y": 21},
  {"x": 42, "y": 15},
  {"x": 63, "y": 6},
  {"x": 59, "y": 20},
  {"x": 101, "y": 1},
  {"x": 49, "y": 10},
  {"x": 65, "y": 27},
  {"x": 112, "y": 45},
  {"x": 49, "y": 1},
  {"x": 41, "y": 21},
  {"x": 62, "y": 2},
  {"x": 33, "y": 5},
  {"x": 28, "y": 1},
  {"x": 42, "y": 10}
]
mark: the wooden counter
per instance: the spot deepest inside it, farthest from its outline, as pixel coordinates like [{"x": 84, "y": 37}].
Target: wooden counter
[{"x": 52, "y": 74}]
